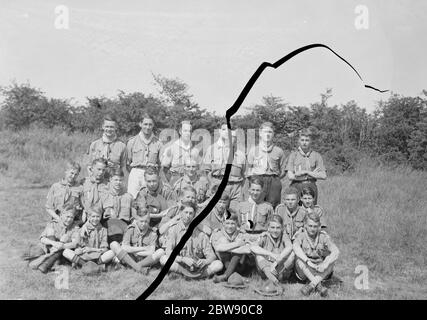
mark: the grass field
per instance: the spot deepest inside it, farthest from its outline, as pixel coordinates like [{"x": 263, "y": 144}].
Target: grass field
[{"x": 376, "y": 215}]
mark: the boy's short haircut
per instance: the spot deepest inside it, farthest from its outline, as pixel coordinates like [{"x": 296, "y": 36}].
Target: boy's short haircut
[
  {"x": 276, "y": 218},
  {"x": 94, "y": 209},
  {"x": 117, "y": 172},
  {"x": 304, "y": 133},
  {"x": 187, "y": 189},
  {"x": 144, "y": 116},
  {"x": 312, "y": 216},
  {"x": 151, "y": 171},
  {"x": 291, "y": 190},
  {"x": 307, "y": 190},
  {"x": 266, "y": 124},
  {"x": 233, "y": 217},
  {"x": 256, "y": 180},
  {"x": 188, "y": 204},
  {"x": 68, "y": 207},
  {"x": 73, "y": 165},
  {"x": 142, "y": 212},
  {"x": 99, "y": 160},
  {"x": 110, "y": 117}
]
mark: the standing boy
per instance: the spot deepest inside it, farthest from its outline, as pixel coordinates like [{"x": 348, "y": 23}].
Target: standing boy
[
  {"x": 143, "y": 151},
  {"x": 268, "y": 162},
  {"x": 305, "y": 166}
]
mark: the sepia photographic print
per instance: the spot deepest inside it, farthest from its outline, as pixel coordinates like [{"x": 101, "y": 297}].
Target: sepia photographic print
[{"x": 213, "y": 150}]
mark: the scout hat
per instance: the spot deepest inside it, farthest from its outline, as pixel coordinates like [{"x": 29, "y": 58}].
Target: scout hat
[
  {"x": 236, "y": 281},
  {"x": 90, "y": 268},
  {"x": 33, "y": 251},
  {"x": 269, "y": 289}
]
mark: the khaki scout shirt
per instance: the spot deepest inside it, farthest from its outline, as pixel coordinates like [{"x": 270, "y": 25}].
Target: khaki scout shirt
[
  {"x": 219, "y": 236},
  {"x": 112, "y": 151},
  {"x": 197, "y": 246},
  {"x": 135, "y": 238},
  {"x": 298, "y": 160},
  {"x": 93, "y": 237},
  {"x": 201, "y": 185},
  {"x": 258, "y": 213},
  {"x": 174, "y": 156},
  {"x": 216, "y": 159},
  {"x": 291, "y": 221},
  {"x": 319, "y": 211},
  {"x": 156, "y": 201},
  {"x": 142, "y": 152},
  {"x": 121, "y": 204},
  {"x": 264, "y": 160},
  {"x": 214, "y": 219},
  {"x": 267, "y": 242},
  {"x": 318, "y": 249},
  {"x": 93, "y": 193},
  {"x": 60, "y": 193},
  {"x": 57, "y": 229}
]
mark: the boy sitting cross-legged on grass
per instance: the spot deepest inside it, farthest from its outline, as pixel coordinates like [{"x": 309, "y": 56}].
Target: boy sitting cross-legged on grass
[
  {"x": 274, "y": 253},
  {"x": 316, "y": 255},
  {"x": 291, "y": 213},
  {"x": 138, "y": 249},
  {"x": 93, "y": 245},
  {"x": 197, "y": 259},
  {"x": 58, "y": 235},
  {"x": 65, "y": 191},
  {"x": 232, "y": 246}
]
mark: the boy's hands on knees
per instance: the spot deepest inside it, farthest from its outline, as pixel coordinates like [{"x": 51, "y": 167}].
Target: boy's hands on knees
[
  {"x": 321, "y": 267},
  {"x": 78, "y": 251},
  {"x": 311, "y": 264},
  {"x": 201, "y": 263}
]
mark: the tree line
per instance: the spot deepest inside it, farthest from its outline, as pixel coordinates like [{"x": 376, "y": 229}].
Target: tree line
[{"x": 394, "y": 134}]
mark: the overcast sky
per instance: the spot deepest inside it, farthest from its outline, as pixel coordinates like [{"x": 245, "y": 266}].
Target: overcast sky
[{"x": 215, "y": 46}]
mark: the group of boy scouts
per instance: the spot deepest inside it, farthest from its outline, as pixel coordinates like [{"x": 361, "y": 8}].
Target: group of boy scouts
[{"x": 98, "y": 221}]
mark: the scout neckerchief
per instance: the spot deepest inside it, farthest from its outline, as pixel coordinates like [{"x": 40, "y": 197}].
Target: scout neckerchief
[
  {"x": 145, "y": 140},
  {"x": 86, "y": 231},
  {"x": 224, "y": 151},
  {"x": 67, "y": 193},
  {"x": 106, "y": 141},
  {"x": 265, "y": 149},
  {"x": 139, "y": 234},
  {"x": 232, "y": 237},
  {"x": 116, "y": 195},
  {"x": 93, "y": 193},
  {"x": 292, "y": 216},
  {"x": 276, "y": 243},
  {"x": 306, "y": 157},
  {"x": 312, "y": 244},
  {"x": 220, "y": 218},
  {"x": 254, "y": 211}
]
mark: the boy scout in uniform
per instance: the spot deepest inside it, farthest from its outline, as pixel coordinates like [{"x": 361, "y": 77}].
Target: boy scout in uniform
[
  {"x": 255, "y": 213},
  {"x": 291, "y": 213},
  {"x": 196, "y": 259},
  {"x": 138, "y": 249},
  {"x": 232, "y": 247},
  {"x": 274, "y": 253},
  {"x": 155, "y": 196},
  {"x": 94, "y": 186},
  {"x": 305, "y": 166},
  {"x": 219, "y": 213},
  {"x": 307, "y": 200},
  {"x": 68, "y": 190},
  {"x": 268, "y": 161},
  {"x": 172, "y": 160},
  {"x": 58, "y": 235},
  {"x": 118, "y": 207},
  {"x": 215, "y": 160},
  {"x": 93, "y": 245},
  {"x": 191, "y": 178},
  {"x": 109, "y": 147},
  {"x": 143, "y": 151},
  {"x": 316, "y": 255}
]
